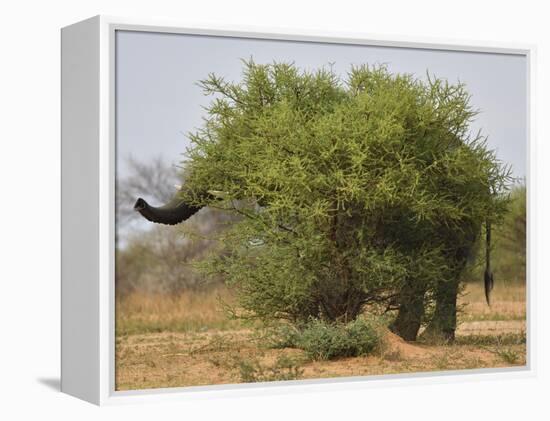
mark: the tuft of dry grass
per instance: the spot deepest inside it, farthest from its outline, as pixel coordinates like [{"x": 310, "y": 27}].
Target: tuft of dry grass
[
  {"x": 508, "y": 303},
  {"x": 188, "y": 311}
]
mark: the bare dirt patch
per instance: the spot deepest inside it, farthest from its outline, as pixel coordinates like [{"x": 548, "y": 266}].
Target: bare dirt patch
[{"x": 233, "y": 356}]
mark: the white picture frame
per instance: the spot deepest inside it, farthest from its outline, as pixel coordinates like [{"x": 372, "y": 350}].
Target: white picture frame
[{"x": 88, "y": 212}]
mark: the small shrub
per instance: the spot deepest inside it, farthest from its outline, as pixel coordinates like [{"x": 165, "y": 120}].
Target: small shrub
[
  {"x": 508, "y": 355},
  {"x": 325, "y": 341},
  {"x": 285, "y": 368},
  {"x": 281, "y": 336},
  {"x": 442, "y": 361}
]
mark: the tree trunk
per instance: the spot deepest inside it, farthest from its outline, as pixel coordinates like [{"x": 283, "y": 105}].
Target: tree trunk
[
  {"x": 341, "y": 299},
  {"x": 411, "y": 311}
]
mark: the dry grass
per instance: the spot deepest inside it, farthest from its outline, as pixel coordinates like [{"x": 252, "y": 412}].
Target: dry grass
[
  {"x": 188, "y": 311},
  {"x": 186, "y": 340},
  {"x": 508, "y": 303}
]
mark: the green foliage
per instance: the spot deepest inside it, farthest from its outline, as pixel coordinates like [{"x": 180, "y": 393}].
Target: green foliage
[
  {"x": 348, "y": 189},
  {"x": 280, "y": 335},
  {"x": 325, "y": 341}
]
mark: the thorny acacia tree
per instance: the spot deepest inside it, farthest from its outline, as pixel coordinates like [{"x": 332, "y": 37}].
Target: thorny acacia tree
[{"x": 368, "y": 190}]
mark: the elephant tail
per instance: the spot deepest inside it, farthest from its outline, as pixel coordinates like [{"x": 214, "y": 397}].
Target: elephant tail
[
  {"x": 172, "y": 213},
  {"x": 488, "y": 275}
]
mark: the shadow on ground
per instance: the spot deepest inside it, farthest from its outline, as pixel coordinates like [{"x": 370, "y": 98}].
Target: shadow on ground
[{"x": 53, "y": 383}]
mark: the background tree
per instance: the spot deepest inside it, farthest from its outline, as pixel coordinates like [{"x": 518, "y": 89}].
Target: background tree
[
  {"x": 157, "y": 259},
  {"x": 510, "y": 239}
]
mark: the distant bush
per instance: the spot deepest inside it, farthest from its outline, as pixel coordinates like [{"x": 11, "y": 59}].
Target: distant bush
[
  {"x": 160, "y": 260},
  {"x": 323, "y": 340},
  {"x": 509, "y": 244},
  {"x": 511, "y": 239}
]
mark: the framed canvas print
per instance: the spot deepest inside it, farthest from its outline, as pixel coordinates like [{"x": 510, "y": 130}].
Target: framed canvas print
[{"x": 247, "y": 210}]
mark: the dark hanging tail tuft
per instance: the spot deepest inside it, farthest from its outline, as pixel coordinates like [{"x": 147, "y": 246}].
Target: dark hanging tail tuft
[{"x": 489, "y": 279}]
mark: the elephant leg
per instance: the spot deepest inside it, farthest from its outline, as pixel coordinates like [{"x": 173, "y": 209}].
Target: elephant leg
[
  {"x": 411, "y": 311},
  {"x": 443, "y": 323},
  {"x": 444, "y": 320}
]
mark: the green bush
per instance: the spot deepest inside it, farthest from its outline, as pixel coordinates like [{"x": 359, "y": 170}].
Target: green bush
[
  {"x": 281, "y": 336},
  {"x": 348, "y": 189},
  {"x": 323, "y": 340}
]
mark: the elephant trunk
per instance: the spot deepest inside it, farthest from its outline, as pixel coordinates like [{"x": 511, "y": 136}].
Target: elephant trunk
[{"x": 172, "y": 213}]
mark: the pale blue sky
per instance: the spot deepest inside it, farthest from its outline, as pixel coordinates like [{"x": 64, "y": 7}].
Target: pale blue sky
[{"x": 158, "y": 101}]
